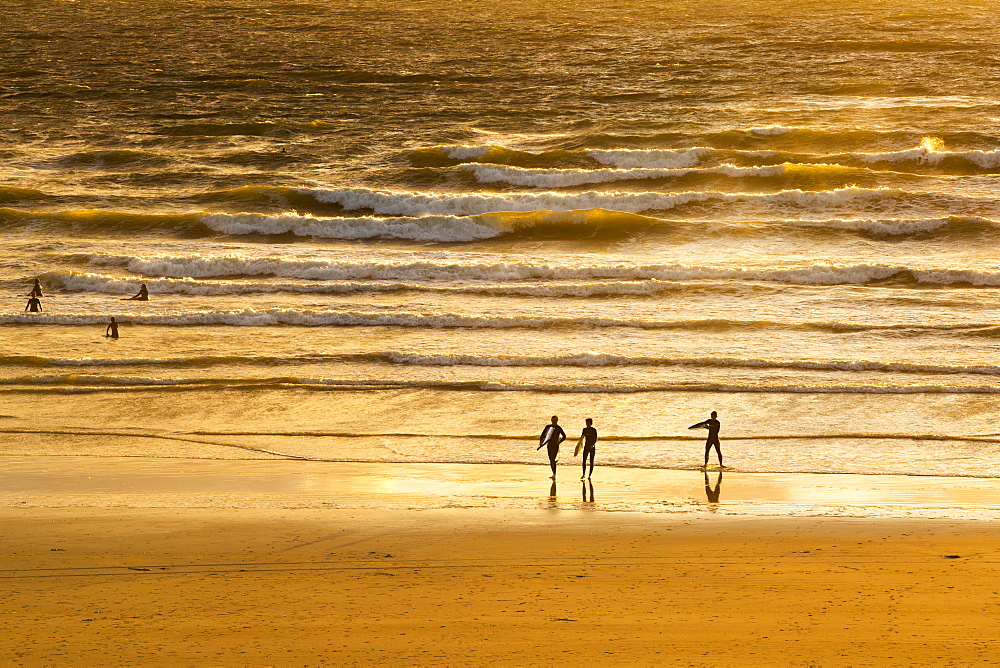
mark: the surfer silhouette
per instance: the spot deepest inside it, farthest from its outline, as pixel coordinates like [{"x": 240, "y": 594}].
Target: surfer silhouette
[
  {"x": 142, "y": 296},
  {"x": 551, "y": 437},
  {"x": 34, "y": 303},
  {"x": 112, "y": 330},
  {"x": 36, "y": 290},
  {"x": 589, "y": 437},
  {"x": 713, "y": 426},
  {"x": 713, "y": 494}
]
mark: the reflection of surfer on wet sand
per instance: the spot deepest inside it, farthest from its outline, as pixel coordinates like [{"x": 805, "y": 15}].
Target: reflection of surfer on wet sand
[
  {"x": 713, "y": 426},
  {"x": 713, "y": 494}
]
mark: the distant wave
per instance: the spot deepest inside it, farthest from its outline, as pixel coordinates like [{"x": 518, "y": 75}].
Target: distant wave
[
  {"x": 569, "y": 224},
  {"x": 439, "y": 228},
  {"x": 92, "y": 382},
  {"x": 928, "y": 153},
  {"x": 595, "y": 360},
  {"x": 401, "y": 203},
  {"x": 73, "y": 281},
  {"x": 561, "y": 178},
  {"x": 806, "y": 274},
  {"x": 318, "y": 318}
]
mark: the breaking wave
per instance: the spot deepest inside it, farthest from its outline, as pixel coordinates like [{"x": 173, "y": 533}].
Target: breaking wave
[{"x": 195, "y": 266}]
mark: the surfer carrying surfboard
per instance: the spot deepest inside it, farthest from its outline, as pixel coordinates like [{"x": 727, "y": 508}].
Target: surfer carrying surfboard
[
  {"x": 589, "y": 438},
  {"x": 552, "y": 436},
  {"x": 713, "y": 426}
]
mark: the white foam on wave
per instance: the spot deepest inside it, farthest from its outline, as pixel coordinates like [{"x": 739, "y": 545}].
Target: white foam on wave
[
  {"x": 468, "y": 204},
  {"x": 108, "y": 284},
  {"x": 605, "y": 360},
  {"x": 427, "y": 228},
  {"x": 466, "y": 152},
  {"x": 773, "y": 130},
  {"x": 818, "y": 273},
  {"x": 656, "y": 158},
  {"x": 926, "y": 155},
  {"x": 559, "y": 178}
]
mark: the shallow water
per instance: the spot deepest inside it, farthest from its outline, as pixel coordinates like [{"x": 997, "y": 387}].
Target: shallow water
[{"x": 389, "y": 228}]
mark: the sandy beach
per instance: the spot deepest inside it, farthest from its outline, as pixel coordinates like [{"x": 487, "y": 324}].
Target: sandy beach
[{"x": 118, "y": 561}]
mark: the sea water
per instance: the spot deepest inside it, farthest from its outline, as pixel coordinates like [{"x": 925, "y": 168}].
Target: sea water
[{"x": 413, "y": 232}]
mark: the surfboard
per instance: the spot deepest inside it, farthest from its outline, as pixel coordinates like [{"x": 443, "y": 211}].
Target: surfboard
[{"x": 579, "y": 446}]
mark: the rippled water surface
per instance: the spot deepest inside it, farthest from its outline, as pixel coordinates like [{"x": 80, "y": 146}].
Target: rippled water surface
[{"x": 372, "y": 230}]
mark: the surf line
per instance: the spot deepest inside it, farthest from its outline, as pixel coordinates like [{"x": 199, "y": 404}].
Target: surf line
[{"x": 57, "y": 432}]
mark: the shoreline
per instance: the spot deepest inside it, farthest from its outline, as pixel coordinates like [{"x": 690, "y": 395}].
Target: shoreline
[{"x": 66, "y": 481}]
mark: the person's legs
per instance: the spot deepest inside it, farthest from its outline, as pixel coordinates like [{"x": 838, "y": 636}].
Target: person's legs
[
  {"x": 553, "y": 454},
  {"x": 588, "y": 452},
  {"x": 718, "y": 450}
]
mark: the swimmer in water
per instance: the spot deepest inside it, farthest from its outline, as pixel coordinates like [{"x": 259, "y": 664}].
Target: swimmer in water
[
  {"x": 112, "y": 330},
  {"x": 142, "y": 296},
  {"x": 34, "y": 303},
  {"x": 552, "y": 436},
  {"x": 713, "y": 427}
]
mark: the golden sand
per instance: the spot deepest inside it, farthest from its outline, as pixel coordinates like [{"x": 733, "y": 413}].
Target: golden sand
[{"x": 284, "y": 587}]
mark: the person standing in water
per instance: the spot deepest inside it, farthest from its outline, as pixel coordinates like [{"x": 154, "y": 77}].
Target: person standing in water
[
  {"x": 713, "y": 426},
  {"x": 142, "y": 296},
  {"x": 589, "y": 437},
  {"x": 551, "y": 437},
  {"x": 34, "y": 303},
  {"x": 112, "y": 330},
  {"x": 36, "y": 290}
]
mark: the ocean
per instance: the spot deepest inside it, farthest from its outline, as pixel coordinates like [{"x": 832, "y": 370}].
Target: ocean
[{"x": 413, "y": 231}]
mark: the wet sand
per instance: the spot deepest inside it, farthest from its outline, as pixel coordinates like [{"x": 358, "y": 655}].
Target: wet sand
[{"x": 268, "y": 583}]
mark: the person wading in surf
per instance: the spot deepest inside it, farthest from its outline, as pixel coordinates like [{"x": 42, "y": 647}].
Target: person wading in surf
[
  {"x": 713, "y": 427},
  {"x": 142, "y": 296},
  {"x": 552, "y": 436},
  {"x": 112, "y": 330},
  {"x": 34, "y": 303}
]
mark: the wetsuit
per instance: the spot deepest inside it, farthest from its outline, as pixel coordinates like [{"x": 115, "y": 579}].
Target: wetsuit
[
  {"x": 112, "y": 330},
  {"x": 34, "y": 304},
  {"x": 589, "y": 447},
  {"x": 551, "y": 437},
  {"x": 713, "y": 427}
]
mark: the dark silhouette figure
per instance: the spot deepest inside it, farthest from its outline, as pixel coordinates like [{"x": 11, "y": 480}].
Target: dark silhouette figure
[
  {"x": 588, "y": 486},
  {"x": 36, "y": 290},
  {"x": 713, "y": 494},
  {"x": 713, "y": 427},
  {"x": 34, "y": 303},
  {"x": 553, "y": 501},
  {"x": 551, "y": 437},
  {"x": 112, "y": 330},
  {"x": 589, "y": 437},
  {"x": 142, "y": 296}
]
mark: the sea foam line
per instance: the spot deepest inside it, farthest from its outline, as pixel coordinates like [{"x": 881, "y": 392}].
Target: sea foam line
[
  {"x": 96, "y": 383},
  {"x": 576, "y": 360},
  {"x": 820, "y": 273}
]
